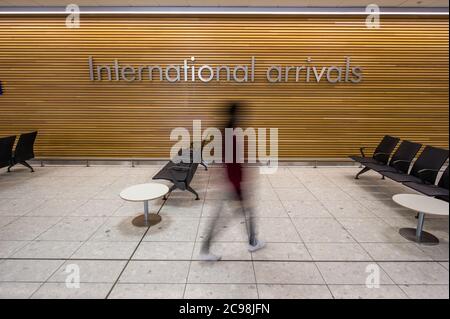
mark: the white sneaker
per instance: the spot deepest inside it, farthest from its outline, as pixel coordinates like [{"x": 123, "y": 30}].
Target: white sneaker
[
  {"x": 209, "y": 257},
  {"x": 259, "y": 245}
]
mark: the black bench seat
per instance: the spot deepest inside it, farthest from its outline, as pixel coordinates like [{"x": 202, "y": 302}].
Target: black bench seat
[
  {"x": 424, "y": 170},
  {"x": 180, "y": 174},
  {"x": 441, "y": 190},
  {"x": 6, "y": 150}
]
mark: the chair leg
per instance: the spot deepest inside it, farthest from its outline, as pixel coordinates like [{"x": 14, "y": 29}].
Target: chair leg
[
  {"x": 9, "y": 167},
  {"x": 202, "y": 163},
  {"x": 171, "y": 189},
  {"x": 189, "y": 188},
  {"x": 24, "y": 163},
  {"x": 365, "y": 169}
]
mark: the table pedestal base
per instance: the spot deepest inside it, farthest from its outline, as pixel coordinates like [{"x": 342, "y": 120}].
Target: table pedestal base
[
  {"x": 425, "y": 238},
  {"x": 152, "y": 220},
  {"x": 418, "y": 235}
]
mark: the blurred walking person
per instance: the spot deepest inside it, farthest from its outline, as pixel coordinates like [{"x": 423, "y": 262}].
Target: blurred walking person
[{"x": 236, "y": 178}]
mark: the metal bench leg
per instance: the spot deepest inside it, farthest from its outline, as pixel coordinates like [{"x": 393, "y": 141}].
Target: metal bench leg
[
  {"x": 365, "y": 169},
  {"x": 24, "y": 163},
  {"x": 202, "y": 163},
  {"x": 171, "y": 189},
  {"x": 189, "y": 188}
]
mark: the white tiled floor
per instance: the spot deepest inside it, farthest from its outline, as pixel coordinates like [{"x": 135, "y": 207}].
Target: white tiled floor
[{"x": 325, "y": 232}]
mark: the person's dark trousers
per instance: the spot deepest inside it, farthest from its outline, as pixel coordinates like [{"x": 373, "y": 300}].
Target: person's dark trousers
[
  {"x": 250, "y": 225},
  {"x": 236, "y": 176}
]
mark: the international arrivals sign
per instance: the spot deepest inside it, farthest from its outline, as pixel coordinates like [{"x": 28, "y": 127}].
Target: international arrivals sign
[{"x": 190, "y": 71}]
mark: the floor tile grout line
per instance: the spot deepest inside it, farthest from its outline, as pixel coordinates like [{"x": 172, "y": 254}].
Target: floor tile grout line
[
  {"x": 225, "y": 241},
  {"x": 323, "y": 278},
  {"x": 237, "y": 260},
  {"x": 132, "y": 254},
  {"x": 331, "y": 214},
  {"x": 46, "y": 281},
  {"x": 290, "y": 217},
  {"x": 56, "y": 198},
  {"x": 127, "y": 261},
  {"x": 89, "y": 237},
  {"x": 340, "y": 223},
  {"x": 251, "y": 253},
  {"x": 238, "y": 283},
  {"x": 306, "y": 246},
  {"x": 293, "y": 224},
  {"x": 403, "y": 291},
  {"x": 47, "y": 229},
  {"x": 61, "y": 218},
  {"x": 389, "y": 276},
  {"x": 196, "y": 234}
]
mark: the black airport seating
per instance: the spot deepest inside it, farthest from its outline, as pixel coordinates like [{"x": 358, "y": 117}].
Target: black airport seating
[
  {"x": 382, "y": 152},
  {"x": 180, "y": 174},
  {"x": 422, "y": 175},
  {"x": 6, "y": 150},
  {"x": 24, "y": 150},
  {"x": 441, "y": 190},
  {"x": 400, "y": 161},
  {"x": 425, "y": 168}
]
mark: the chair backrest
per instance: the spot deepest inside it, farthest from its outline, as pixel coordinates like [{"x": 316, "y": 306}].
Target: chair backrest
[
  {"x": 386, "y": 146},
  {"x": 443, "y": 182},
  {"x": 25, "y": 147},
  {"x": 6, "y": 146},
  {"x": 431, "y": 158},
  {"x": 191, "y": 173},
  {"x": 405, "y": 152}
]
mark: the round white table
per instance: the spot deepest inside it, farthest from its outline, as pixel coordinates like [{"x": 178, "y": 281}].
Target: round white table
[
  {"x": 423, "y": 205},
  {"x": 145, "y": 193}
]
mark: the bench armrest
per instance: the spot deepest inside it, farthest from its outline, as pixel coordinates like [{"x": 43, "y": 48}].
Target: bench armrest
[
  {"x": 381, "y": 157},
  {"x": 401, "y": 165},
  {"x": 428, "y": 175},
  {"x": 361, "y": 150}
]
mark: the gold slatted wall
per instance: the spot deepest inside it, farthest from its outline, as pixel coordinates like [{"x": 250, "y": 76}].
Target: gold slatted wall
[{"x": 44, "y": 71}]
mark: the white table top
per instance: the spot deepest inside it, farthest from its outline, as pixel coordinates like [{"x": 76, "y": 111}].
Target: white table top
[
  {"x": 143, "y": 192},
  {"x": 422, "y": 204}
]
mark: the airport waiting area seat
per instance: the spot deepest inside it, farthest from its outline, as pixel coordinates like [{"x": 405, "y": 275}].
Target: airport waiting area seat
[
  {"x": 441, "y": 190},
  {"x": 180, "y": 174},
  {"x": 6, "y": 150},
  {"x": 399, "y": 163},
  {"x": 382, "y": 152},
  {"x": 422, "y": 175},
  {"x": 425, "y": 168},
  {"x": 23, "y": 152}
]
